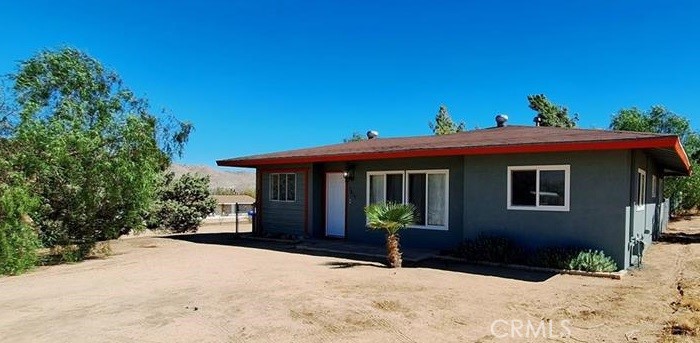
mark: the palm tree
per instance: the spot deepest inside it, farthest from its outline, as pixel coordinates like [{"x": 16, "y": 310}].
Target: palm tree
[{"x": 391, "y": 217}]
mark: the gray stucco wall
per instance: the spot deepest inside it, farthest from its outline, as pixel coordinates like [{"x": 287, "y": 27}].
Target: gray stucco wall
[
  {"x": 644, "y": 221},
  {"x": 284, "y": 216},
  {"x": 598, "y": 200},
  {"x": 413, "y": 237},
  {"x": 601, "y": 215}
]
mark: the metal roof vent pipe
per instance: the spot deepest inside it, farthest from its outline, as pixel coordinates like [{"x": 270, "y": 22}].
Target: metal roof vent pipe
[
  {"x": 501, "y": 120},
  {"x": 537, "y": 120},
  {"x": 372, "y": 134}
]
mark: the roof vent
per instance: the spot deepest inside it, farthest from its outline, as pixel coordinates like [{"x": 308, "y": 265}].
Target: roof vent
[
  {"x": 372, "y": 134},
  {"x": 501, "y": 120},
  {"x": 537, "y": 120}
]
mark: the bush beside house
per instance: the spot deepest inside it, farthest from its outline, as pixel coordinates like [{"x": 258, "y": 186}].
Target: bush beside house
[{"x": 503, "y": 250}]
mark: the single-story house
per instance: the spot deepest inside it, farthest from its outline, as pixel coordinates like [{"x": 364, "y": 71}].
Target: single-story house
[
  {"x": 225, "y": 204},
  {"x": 542, "y": 186}
]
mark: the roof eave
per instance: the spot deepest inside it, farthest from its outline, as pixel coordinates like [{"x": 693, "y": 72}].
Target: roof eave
[{"x": 668, "y": 142}]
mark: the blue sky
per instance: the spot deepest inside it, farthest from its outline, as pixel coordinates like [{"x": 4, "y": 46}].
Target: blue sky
[{"x": 261, "y": 76}]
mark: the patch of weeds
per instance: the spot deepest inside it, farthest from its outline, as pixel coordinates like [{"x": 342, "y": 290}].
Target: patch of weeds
[
  {"x": 685, "y": 325},
  {"x": 62, "y": 254},
  {"x": 692, "y": 303},
  {"x": 69, "y": 254},
  {"x": 101, "y": 250}
]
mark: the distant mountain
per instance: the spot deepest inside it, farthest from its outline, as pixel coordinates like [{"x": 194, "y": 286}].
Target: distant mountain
[{"x": 238, "y": 180}]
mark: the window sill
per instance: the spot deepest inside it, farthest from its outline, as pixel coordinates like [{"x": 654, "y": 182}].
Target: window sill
[
  {"x": 639, "y": 208},
  {"x": 541, "y": 208},
  {"x": 284, "y": 201},
  {"x": 429, "y": 227}
]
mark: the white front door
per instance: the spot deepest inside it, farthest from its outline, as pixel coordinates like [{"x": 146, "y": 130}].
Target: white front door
[{"x": 335, "y": 205}]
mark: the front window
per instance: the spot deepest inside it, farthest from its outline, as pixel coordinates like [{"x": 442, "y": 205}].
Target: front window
[
  {"x": 543, "y": 188},
  {"x": 426, "y": 190},
  {"x": 283, "y": 187},
  {"x": 385, "y": 187}
]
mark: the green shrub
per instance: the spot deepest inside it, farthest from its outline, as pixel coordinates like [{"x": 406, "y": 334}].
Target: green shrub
[
  {"x": 503, "y": 250},
  {"x": 182, "y": 203},
  {"x": 18, "y": 240},
  {"x": 492, "y": 249},
  {"x": 592, "y": 261},
  {"x": 552, "y": 257}
]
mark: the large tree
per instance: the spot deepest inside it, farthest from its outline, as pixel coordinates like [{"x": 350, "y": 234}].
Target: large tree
[
  {"x": 92, "y": 150},
  {"x": 443, "y": 124},
  {"x": 550, "y": 114},
  {"x": 684, "y": 190}
]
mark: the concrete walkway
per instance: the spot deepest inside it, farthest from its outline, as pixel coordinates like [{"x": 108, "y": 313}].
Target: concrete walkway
[{"x": 374, "y": 251}]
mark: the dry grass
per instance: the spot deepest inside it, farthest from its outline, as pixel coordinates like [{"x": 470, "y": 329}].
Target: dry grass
[
  {"x": 388, "y": 305},
  {"x": 691, "y": 303},
  {"x": 687, "y": 324},
  {"x": 684, "y": 325},
  {"x": 101, "y": 250}
]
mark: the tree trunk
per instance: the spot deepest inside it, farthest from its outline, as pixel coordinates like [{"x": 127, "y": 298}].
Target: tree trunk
[{"x": 392, "y": 250}]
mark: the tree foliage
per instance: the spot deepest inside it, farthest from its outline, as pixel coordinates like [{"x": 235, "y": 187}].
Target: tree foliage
[
  {"x": 18, "y": 240},
  {"x": 182, "y": 203},
  {"x": 356, "y": 137},
  {"x": 443, "y": 124},
  {"x": 685, "y": 191},
  {"x": 550, "y": 114},
  {"x": 92, "y": 149}
]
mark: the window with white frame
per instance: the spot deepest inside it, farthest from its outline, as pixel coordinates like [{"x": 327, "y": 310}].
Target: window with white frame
[
  {"x": 283, "y": 187},
  {"x": 385, "y": 186},
  {"x": 654, "y": 184},
  {"x": 542, "y": 188},
  {"x": 641, "y": 188},
  {"x": 427, "y": 190}
]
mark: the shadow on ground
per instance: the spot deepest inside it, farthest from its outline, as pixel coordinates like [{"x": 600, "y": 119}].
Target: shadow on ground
[
  {"x": 238, "y": 240},
  {"x": 680, "y": 238}
]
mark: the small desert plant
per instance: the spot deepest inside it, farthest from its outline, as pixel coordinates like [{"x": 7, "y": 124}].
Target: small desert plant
[
  {"x": 592, "y": 261},
  {"x": 391, "y": 218}
]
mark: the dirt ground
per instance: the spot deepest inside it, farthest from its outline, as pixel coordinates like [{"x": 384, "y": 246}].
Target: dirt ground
[{"x": 212, "y": 288}]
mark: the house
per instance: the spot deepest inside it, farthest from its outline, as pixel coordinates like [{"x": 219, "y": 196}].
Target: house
[
  {"x": 542, "y": 186},
  {"x": 225, "y": 204}
]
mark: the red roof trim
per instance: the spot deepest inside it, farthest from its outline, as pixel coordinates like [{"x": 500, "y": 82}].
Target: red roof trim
[
  {"x": 684, "y": 157},
  {"x": 669, "y": 142}
]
